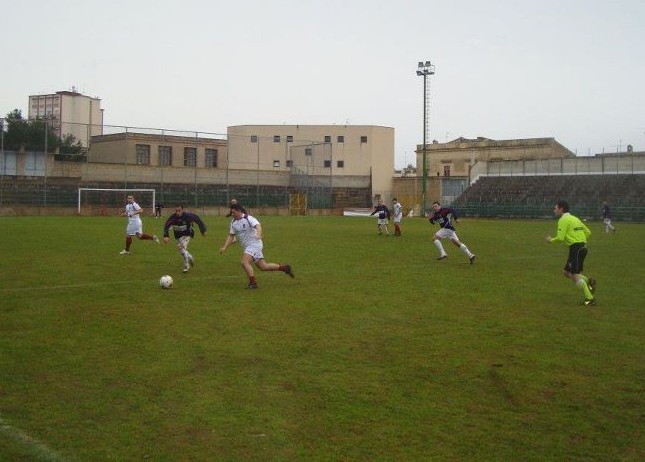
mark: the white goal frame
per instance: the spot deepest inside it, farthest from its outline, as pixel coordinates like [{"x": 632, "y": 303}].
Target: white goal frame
[{"x": 153, "y": 191}]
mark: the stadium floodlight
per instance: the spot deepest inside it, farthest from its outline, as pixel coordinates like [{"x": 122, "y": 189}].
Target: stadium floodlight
[{"x": 425, "y": 69}]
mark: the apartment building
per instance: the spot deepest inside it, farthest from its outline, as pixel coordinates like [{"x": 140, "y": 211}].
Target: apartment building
[
  {"x": 343, "y": 155},
  {"x": 70, "y": 113}
]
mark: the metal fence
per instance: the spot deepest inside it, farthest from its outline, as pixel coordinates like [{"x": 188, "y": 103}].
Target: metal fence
[{"x": 199, "y": 169}]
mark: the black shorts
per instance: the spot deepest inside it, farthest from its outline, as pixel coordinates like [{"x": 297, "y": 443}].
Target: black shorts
[{"x": 577, "y": 255}]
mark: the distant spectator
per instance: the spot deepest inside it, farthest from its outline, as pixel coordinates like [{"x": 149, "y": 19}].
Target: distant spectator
[{"x": 158, "y": 209}]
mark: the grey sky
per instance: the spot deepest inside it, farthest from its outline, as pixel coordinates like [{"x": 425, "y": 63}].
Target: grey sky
[{"x": 568, "y": 69}]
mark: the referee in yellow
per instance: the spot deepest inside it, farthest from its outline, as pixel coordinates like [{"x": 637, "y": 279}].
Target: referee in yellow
[{"x": 574, "y": 233}]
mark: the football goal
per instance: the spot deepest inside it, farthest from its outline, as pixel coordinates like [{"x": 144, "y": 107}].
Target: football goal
[{"x": 104, "y": 201}]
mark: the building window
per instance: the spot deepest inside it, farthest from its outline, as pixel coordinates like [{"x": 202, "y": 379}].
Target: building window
[
  {"x": 327, "y": 164},
  {"x": 289, "y": 163},
  {"x": 210, "y": 158},
  {"x": 254, "y": 138},
  {"x": 190, "y": 157},
  {"x": 276, "y": 138},
  {"x": 327, "y": 139},
  {"x": 446, "y": 170},
  {"x": 363, "y": 139},
  {"x": 289, "y": 138},
  {"x": 165, "y": 155},
  {"x": 276, "y": 164},
  {"x": 309, "y": 151},
  {"x": 340, "y": 163},
  {"x": 340, "y": 139},
  {"x": 143, "y": 154}
]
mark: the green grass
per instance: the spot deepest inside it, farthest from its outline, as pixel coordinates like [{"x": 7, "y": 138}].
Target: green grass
[{"x": 375, "y": 351}]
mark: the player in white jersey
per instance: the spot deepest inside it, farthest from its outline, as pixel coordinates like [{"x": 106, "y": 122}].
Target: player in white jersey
[
  {"x": 248, "y": 232},
  {"x": 397, "y": 216},
  {"x": 135, "y": 225}
]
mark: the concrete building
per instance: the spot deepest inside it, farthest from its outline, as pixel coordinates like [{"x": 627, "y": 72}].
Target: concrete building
[
  {"x": 338, "y": 155},
  {"x": 70, "y": 112},
  {"x": 158, "y": 158},
  {"x": 159, "y": 150},
  {"x": 455, "y": 158}
]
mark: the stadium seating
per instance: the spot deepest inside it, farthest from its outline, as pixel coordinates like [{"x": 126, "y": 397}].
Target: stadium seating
[{"x": 535, "y": 195}]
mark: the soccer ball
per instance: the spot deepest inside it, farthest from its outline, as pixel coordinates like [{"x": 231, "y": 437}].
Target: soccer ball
[{"x": 165, "y": 282}]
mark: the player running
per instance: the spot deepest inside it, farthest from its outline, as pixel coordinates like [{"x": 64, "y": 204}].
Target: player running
[
  {"x": 248, "y": 232},
  {"x": 182, "y": 223},
  {"x": 444, "y": 216},
  {"x": 135, "y": 225},
  {"x": 383, "y": 217}
]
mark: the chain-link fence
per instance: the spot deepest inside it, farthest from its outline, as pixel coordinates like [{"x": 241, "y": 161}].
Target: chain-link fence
[{"x": 200, "y": 169}]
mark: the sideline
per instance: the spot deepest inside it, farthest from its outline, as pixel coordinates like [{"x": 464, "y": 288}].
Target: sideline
[{"x": 33, "y": 446}]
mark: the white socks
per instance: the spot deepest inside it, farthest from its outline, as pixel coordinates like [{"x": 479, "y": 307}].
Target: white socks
[
  {"x": 439, "y": 247},
  {"x": 465, "y": 250}
]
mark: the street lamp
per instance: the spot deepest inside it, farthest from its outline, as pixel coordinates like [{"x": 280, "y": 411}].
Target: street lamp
[{"x": 425, "y": 69}]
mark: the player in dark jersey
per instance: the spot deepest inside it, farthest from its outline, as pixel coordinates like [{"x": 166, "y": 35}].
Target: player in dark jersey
[
  {"x": 607, "y": 217},
  {"x": 444, "y": 216},
  {"x": 383, "y": 217},
  {"x": 182, "y": 223}
]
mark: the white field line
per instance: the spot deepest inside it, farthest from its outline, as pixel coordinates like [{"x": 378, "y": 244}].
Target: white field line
[
  {"x": 35, "y": 447},
  {"x": 99, "y": 284},
  {"x": 311, "y": 271}
]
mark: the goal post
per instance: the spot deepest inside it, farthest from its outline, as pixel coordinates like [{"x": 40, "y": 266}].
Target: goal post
[{"x": 111, "y": 198}]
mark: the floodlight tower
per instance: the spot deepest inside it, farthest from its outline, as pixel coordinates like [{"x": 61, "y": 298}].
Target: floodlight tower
[{"x": 425, "y": 69}]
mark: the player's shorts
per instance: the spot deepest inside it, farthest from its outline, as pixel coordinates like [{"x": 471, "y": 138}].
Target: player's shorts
[
  {"x": 134, "y": 227},
  {"x": 255, "y": 251},
  {"x": 397, "y": 219},
  {"x": 577, "y": 255},
  {"x": 445, "y": 233},
  {"x": 382, "y": 221},
  {"x": 607, "y": 221}
]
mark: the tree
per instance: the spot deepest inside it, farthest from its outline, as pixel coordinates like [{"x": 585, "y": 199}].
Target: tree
[
  {"x": 35, "y": 134},
  {"x": 70, "y": 149},
  {"x": 16, "y": 130}
]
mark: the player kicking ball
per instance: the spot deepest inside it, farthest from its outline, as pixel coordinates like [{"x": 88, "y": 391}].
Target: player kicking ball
[{"x": 182, "y": 223}]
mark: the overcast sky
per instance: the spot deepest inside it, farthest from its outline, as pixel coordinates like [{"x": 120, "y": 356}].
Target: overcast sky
[{"x": 569, "y": 69}]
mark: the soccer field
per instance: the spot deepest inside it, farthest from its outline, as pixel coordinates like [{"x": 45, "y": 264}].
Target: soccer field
[{"x": 375, "y": 351}]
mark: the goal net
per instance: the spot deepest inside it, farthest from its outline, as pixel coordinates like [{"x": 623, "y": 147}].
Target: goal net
[{"x": 100, "y": 201}]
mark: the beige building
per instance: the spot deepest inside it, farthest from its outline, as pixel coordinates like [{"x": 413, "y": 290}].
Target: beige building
[
  {"x": 158, "y": 150},
  {"x": 340, "y": 155},
  {"x": 71, "y": 113},
  {"x": 457, "y": 157},
  {"x": 158, "y": 158}
]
